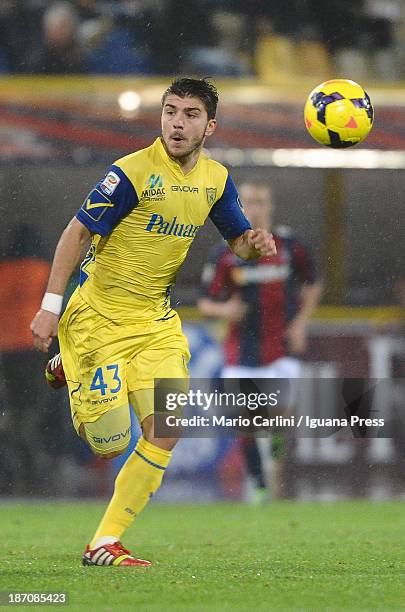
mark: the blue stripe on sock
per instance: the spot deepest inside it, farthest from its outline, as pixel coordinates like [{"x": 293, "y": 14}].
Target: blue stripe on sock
[{"x": 156, "y": 465}]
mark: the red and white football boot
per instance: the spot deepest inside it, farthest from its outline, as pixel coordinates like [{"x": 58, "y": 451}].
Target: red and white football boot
[
  {"x": 112, "y": 554},
  {"x": 54, "y": 374}
]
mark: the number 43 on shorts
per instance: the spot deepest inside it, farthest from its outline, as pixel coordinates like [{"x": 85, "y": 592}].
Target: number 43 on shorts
[{"x": 106, "y": 378}]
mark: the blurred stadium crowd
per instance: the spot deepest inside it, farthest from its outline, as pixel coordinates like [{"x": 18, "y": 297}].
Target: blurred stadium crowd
[{"x": 227, "y": 38}]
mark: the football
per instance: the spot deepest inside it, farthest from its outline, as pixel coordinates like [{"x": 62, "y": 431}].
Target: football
[{"x": 338, "y": 113}]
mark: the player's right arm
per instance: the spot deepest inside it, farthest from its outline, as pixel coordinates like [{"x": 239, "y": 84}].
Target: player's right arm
[
  {"x": 111, "y": 199},
  {"x": 68, "y": 252}
]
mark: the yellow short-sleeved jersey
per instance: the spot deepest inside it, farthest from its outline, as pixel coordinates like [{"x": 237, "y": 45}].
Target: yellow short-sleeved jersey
[{"x": 144, "y": 215}]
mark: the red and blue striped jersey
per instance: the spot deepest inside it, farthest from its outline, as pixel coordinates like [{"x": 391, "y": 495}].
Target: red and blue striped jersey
[{"x": 270, "y": 286}]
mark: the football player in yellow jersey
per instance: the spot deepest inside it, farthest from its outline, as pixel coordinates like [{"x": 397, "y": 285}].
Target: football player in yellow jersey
[{"x": 118, "y": 333}]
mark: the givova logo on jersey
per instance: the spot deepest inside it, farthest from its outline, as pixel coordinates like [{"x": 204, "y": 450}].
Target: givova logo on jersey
[{"x": 154, "y": 189}]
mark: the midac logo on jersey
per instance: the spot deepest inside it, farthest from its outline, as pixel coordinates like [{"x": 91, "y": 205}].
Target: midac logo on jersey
[
  {"x": 154, "y": 189},
  {"x": 154, "y": 181},
  {"x": 157, "y": 223}
]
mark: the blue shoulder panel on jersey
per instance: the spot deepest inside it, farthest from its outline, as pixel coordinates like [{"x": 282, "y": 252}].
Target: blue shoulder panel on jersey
[
  {"x": 227, "y": 213},
  {"x": 110, "y": 200}
]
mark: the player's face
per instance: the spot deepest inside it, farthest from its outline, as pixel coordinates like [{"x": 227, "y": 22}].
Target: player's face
[
  {"x": 185, "y": 125},
  {"x": 256, "y": 200}
]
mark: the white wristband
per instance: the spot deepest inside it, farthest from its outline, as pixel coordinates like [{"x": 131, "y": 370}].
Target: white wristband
[{"x": 52, "y": 302}]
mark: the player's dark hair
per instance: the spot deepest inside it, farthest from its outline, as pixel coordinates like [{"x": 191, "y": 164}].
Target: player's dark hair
[{"x": 196, "y": 88}]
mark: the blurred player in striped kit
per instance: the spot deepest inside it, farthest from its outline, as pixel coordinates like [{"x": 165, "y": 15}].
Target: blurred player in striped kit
[{"x": 266, "y": 303}]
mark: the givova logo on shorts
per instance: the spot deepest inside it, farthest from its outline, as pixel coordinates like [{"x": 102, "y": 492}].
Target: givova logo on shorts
[{"x": 113, "y": 438}]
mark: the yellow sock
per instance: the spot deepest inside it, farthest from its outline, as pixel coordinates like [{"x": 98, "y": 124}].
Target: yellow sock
[{"x": 137, "y": 480}]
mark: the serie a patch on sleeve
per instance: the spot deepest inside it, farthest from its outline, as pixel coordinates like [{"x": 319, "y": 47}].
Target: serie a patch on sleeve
[
  {"x": 110, "y": 183},
  {"x": 96, "y": 204}
]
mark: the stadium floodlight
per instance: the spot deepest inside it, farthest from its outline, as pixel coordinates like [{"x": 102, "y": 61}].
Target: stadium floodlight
[{"x": 129, "y": 101}]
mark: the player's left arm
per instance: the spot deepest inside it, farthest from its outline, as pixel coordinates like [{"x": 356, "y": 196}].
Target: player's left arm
[
  {"x": 228, "y": 216},
  {"x": 310, "y": 295}
]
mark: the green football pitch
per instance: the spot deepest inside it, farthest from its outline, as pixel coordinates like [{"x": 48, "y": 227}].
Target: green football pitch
[{"x": 227, "y": 556}]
